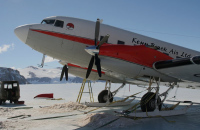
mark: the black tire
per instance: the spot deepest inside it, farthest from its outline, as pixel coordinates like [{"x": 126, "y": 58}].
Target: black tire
[
  {"x": 0, "y": 101},
  {"x": 102, "y": 97},
  {"x": 150, "y": 105},
  {"x": 10, "y": 101}
]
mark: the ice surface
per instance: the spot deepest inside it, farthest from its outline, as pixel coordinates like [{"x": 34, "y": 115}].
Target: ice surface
[{"x": 50, "y": 108}]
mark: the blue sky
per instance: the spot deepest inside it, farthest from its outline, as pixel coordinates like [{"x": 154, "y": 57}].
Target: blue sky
[{"x": 174, "y": 21}]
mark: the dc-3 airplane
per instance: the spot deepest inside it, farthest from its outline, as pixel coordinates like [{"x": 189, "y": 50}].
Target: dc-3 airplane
[{"x": 119, "y": 56}]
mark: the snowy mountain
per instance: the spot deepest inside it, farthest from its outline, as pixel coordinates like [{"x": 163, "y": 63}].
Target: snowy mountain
[
  {"x": 8, "y": 74},
  {"x": 35, "y": 75}
]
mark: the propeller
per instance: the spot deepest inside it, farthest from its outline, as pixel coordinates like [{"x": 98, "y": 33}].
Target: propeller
[
  {"x": 94, "y": 51},
  {"x": 64, "y": 71}
]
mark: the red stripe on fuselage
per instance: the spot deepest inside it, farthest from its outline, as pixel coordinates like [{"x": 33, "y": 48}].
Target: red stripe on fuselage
[
  {"x": 72, "y": 65},
  {"x": 67, "y": 37},
  {"x": 136, "y": 54}
]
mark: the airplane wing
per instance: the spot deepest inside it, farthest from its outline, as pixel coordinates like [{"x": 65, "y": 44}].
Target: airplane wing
[
  {"x": 181, "y": 68},
  {"x": 107, "y": 75},
  {"x": 117, "y": 63},
  {"x": 145, "y": 62},
  {"x": 81, "y": 72}
]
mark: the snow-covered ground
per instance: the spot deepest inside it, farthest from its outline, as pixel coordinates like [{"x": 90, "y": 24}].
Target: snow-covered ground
[{"x": 74, "y": 113}]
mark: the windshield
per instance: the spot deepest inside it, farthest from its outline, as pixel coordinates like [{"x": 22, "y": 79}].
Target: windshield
[{"x": 48, "y": 21}]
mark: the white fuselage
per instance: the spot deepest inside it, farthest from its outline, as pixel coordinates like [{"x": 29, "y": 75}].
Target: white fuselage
[{"x": 68, "y": 43}]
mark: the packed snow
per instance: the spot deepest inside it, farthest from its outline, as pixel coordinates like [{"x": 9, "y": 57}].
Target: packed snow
[{"x": 70, "y": 115}]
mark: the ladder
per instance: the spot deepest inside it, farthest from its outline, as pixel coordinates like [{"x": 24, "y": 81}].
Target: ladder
[{"x": 82, "y": 89}]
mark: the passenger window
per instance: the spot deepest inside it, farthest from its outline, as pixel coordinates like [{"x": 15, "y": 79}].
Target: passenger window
[
  {"x": 59, "y": 23},
  {"x": 120, "y": 42}
]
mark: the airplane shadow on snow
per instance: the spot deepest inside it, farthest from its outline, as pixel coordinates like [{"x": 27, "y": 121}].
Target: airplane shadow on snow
[{"x": 174, "y": 122}]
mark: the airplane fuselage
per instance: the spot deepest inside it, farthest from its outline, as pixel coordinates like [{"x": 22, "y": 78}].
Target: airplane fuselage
[{"x": 66, "y": 38}]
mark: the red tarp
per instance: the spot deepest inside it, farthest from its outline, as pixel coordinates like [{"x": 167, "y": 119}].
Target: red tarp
[{"x": 46, "y": 95}]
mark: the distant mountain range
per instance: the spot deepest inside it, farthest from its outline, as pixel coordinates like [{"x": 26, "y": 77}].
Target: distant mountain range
[
  {"x": 8, "y": 74},
  {"x": 35, "y": 75}
]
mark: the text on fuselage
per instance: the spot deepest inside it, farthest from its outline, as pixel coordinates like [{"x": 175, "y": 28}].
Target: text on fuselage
[{"x": 135, "y": 41}]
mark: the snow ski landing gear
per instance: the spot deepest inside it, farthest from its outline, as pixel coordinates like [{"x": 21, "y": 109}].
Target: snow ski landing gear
[{"x": 151, "y": 104}]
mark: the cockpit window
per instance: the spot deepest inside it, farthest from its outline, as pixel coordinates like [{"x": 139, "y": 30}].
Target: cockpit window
[
  {"x": 48, "y": 21},
  {"x": 59, "y": 23}
]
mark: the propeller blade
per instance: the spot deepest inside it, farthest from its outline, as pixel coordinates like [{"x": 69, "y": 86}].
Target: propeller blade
[
  {"x": 64, "y": 71},
  {"x": 90, "y": 67},
  {"x": 97, "y": 29},
  {"x": 62, "y": 74},
  {"x": 98, "y": 64},
  {"x": 103, "y": 41}
]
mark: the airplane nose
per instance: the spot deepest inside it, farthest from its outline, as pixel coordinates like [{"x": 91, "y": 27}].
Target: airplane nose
[{"x": 22, "y": 32}]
